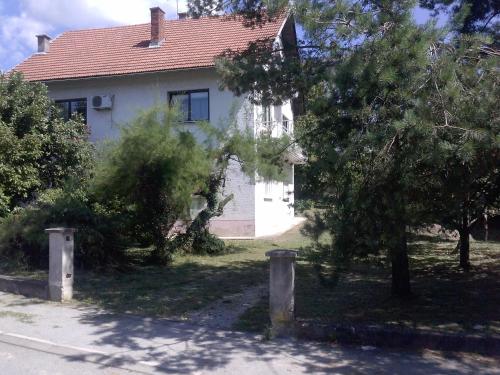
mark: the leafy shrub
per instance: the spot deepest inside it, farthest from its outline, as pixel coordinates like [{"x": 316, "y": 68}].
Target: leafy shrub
[
  {"x": 303, "y": 205},
  {"x": 99, "y": 241},
  {"x": 207, "y": 243},
  {"x": 38, "y": 149},
  {"x": 154, "y": 168}
]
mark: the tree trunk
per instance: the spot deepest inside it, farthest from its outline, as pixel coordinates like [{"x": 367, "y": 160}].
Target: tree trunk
[
  {"x": 398, "y": 249},
  {"x": 215, "y": 207},
  {"x": 464, "y": 248},
  {"x": 486, "y": 227},
  {"x": 399, "y": 262},
  {"x": 464, "y": 233},
  {"x": 161, "y": 253}
]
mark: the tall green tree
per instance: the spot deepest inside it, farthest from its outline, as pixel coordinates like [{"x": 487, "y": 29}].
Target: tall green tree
[
  {"x": 358, "y": 67},
  {"x": 460, "y": 102},
  {"x": 157, "y": 166},
  {"x": 38, "y": 149}
]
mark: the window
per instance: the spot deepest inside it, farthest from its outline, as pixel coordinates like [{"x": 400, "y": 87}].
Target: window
[
  {"x": 198, "y": 203},
  {"x": 71, "y": 106},
  {"x": 268, "y": 190},
  {"x": 193, "y": 104},
  {"x": 286, "y": 124},
  {"x": 266, "y": 114}
]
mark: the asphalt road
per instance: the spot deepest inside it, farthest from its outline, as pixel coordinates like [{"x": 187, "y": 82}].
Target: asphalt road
[
  {"x": 17, "y": 359},
  {"x": 38, "y": 337}
]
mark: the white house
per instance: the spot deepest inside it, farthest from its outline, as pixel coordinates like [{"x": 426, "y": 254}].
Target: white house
[{"x": 109, "y": 74}]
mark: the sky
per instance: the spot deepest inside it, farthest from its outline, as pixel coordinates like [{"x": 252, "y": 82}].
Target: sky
[{"x": 22, "y": 20}]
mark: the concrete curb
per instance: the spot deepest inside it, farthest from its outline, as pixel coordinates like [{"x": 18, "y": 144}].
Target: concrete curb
[
  {"x": 401, "y": 338},
  {"x": 24, "y": 286}
]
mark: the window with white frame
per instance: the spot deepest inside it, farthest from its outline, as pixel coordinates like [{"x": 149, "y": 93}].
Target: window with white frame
[
  {"x": 198, "y": 203},
  {"x": 266, "y": 114},
  {"x": 285, "y": 124},
  {"x": 268, "y": 190},
  {"x": 288, "y": 184}
]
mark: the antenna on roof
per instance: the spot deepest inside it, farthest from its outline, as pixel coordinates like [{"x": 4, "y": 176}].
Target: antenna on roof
[{"x": 177, "y": 1}]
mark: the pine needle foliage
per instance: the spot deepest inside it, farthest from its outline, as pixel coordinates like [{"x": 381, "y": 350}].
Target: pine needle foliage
[{"x": 376, "y": 127}]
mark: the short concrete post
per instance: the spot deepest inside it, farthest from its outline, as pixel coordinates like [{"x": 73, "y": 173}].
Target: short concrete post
[
  {"x": 281, "y": 290},
  {"x": 61, "y": 244}
]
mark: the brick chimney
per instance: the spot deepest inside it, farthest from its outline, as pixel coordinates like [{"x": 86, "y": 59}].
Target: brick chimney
[
  {"x": 43, "y": 43},
  {"x": 157, "y": 27}
]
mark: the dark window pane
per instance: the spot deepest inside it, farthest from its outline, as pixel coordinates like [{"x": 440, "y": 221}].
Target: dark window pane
[
  {"x": 64, "y": 109},
  {"x": 286, "y": 126},
  {"x": 182, "y": 100},
  {"x": 80, "y": 107},
  {"x": 69, "y": 107},
  {"x": 193, "y": 104},
  {"x": 266, "y": 115},
  {"x": 199, "y": 106}
]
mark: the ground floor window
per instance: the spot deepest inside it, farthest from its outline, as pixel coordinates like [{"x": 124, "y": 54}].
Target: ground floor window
[
  {"x": 268, "y": 190},
  {"x": 69, "y": 107}
]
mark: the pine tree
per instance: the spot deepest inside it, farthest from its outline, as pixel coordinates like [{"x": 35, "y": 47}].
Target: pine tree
[
  {"x": 460, "y": 102},
  {"x": 358, "y": 67},
  {"x": 400, "y": 125}
]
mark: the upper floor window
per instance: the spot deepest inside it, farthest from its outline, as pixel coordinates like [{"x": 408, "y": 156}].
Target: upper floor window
[
  {"x": 193, "y": 104},
  {"x": 69, "y": 107}
]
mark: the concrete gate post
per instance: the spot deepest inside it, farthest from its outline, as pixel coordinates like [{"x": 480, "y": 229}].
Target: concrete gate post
[
  {"x": 281, "y": 290},
  {"x": 61, "y": 245}
]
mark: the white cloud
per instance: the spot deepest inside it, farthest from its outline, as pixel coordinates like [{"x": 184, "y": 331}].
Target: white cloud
[
  {"x": 18, "y": 38},
  {"x": 94, "y": 13},
  {"x": 17, "y": 31}
]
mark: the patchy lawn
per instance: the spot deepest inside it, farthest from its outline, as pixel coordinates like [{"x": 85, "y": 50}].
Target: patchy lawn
[
  {"x": 445, "y": 299},
  {"x": 190, "y": 283}
]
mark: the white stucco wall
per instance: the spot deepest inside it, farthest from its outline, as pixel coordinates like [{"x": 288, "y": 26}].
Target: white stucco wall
[
  {"x": 247, "y": 215},
  {"x": 274, "y": 200},
  {"x": 133, "y": 93}
]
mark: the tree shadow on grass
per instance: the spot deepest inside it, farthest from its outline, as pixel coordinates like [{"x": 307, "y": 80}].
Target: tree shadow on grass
[
  {"x": 446, "y": 299},
  {"x": 168, "y": 291}
]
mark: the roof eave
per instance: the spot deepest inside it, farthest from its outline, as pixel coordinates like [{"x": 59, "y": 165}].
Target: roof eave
[{"x": 119, "y": 74}]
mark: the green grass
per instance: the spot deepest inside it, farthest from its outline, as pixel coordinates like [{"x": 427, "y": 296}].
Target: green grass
[
  {"x": 445, "y": 299},
  {"x": 22, "y": 317},
  {"x": 190, "y": 283},
  {"x": 28, "y": 273}
]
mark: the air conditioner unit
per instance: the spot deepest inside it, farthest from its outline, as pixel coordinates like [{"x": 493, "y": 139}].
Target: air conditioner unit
[{"x": 102, "y": 102}]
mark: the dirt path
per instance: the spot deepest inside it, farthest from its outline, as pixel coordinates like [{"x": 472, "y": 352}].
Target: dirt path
[{"x": 223, "y": 313}]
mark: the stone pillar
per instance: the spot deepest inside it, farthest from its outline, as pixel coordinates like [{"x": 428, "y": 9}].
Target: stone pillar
[
  {"x": 61, "y": 246},
  {"x": 281, "y": 291}
]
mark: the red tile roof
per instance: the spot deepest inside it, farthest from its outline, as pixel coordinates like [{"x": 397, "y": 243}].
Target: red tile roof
[{"x": 189, "y": 43}]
